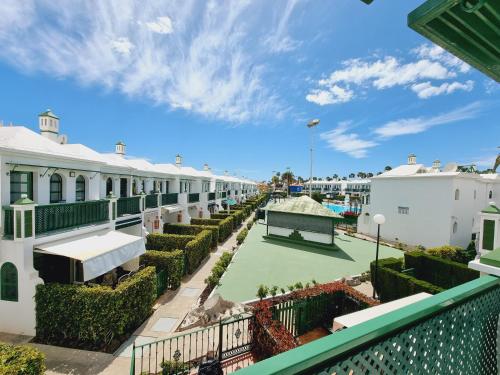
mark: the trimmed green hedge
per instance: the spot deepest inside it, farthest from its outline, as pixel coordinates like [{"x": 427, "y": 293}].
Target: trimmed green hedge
[
  {"x": 193, "y": 230},
  {"x": 94, "y": 317},
  {"x": 392, "y": 284},
  {"x": 218, "y": 270},
  {"x": 170, "y": 261},
  {"x": 438, "y": 271},
  {"x": 167, "y": 242},
  {"x": 21, "y": 360},
  {"x": 197, "y": 250},
  {"x": 241, "y": 236},
  {"x": 225, "y": 226}
]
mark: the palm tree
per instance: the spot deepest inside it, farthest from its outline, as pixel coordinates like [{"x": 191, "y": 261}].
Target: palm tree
[
  {"x": 352, "y": 175},
  {"x": 369, "y": 175},
  {"x": 335, "y": 176},
  {"x": 288, "y": 177},
  {"x": 387, "y": 168}
]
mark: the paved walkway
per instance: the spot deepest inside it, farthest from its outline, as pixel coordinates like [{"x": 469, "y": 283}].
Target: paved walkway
[{"x": 170, "y": 310}]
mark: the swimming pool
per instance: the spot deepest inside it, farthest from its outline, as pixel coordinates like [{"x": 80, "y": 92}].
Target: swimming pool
[{"x": 340, "y": 208}]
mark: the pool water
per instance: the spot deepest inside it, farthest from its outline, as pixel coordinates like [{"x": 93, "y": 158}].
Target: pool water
[{"x": 340, "y": 208}]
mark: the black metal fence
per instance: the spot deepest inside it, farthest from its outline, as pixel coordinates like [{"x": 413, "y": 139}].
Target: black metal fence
[{"x": 179, "y": 354}]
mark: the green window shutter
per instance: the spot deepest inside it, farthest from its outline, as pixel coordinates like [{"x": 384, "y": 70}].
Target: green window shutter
[
  {"x": 488, "y": 234},
  {"x": 28, "y": 223},
  {"x": 8, "y": 281},
  {"x": 18, "y": 224}
]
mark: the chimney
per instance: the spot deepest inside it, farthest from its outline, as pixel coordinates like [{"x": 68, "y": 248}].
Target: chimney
[
  {"x": 205, "y": 167},
  {"x": 412, "y": 159},
  {"x": 48, "y": 123},
  {"x": 436, "y": 164},
  {"x": 226, "y": 173},
  {"x": 120, "y": 148},
  {"x": 178, "y": 160}
]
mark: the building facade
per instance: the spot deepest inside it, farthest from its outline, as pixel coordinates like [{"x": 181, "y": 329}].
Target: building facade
[
  {"x": 71, "y": 214},
  {"x": 429, "y": 206}
]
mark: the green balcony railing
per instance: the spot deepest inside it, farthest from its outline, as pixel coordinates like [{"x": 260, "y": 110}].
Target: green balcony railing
[
  {"x": 8, "y": 222},
  {"x": 51, "y": 217},
  {"x": 211, "y": 196},
  {"x": 451, "y": 332},
  {"x": 193, "y": 197},
  {"x": 169, "y": 198},
  {"x": 151, "y": 201},
  {"x": 129, "y": 206}
]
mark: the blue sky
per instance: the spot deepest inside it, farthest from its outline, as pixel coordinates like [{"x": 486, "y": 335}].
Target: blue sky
[{"x": 233, "y": 84}]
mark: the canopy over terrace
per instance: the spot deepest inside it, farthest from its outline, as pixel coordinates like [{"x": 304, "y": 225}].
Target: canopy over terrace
[
  {"x": 99, "y": 252},
  {"x": 301, "y": 219}
]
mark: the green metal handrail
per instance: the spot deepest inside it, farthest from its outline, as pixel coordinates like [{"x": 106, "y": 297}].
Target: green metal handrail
[
  {"x": 169, "y": 198},
  {"x": 441, "y": 326},
  {"x": 211, "y": 196},
  {"x": 51, "y": 217},
  {"x": 193, "y": 197},
  {"x": 151, "y": 201},
  {"x": 129, "y": 206}
]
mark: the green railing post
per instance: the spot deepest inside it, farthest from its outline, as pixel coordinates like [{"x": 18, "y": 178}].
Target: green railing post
[{"x": 132, "y": 360}]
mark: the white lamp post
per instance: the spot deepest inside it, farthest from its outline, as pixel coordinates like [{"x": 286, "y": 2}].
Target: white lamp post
[
  {"x": 378, "y": 219},
  {"x": 311, "y": 125}
]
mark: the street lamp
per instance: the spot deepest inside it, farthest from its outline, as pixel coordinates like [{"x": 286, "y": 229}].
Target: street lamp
[
  {"x": 311, "y": 125},
  {"x": 378, "y": 219}
]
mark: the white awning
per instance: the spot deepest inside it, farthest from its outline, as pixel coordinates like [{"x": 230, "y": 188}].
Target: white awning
[
  {"x": 361, "y": 316},
  {"x": 99, "y": 252},
  {"x": 173, "y": 208}
]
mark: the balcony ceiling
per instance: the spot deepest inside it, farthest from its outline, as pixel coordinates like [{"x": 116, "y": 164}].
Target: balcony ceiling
[{"x": 469, "y": 29}]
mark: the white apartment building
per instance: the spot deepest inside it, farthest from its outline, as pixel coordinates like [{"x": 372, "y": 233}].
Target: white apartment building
[
  {"x": 71, "y": 214},
  {"x": 429, "y": 206},
  {"x": 352, "y": 187}
]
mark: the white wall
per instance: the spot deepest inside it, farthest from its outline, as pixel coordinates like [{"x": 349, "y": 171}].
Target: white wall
[
  {"x": 432, "y": 209},
  {"x": 308, "y": 236}
]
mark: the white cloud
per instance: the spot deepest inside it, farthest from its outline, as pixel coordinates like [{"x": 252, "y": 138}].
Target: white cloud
[
  {"x": 350, "y": 143},
  {"x": 210, "y": 65},
  {"x": 436, "y": 53},
  {"x": 426, "y": 90},
  {"x": 278, "y": 40},
  {"x": 383, "y": 73},
  {"x": 122, "y": 45},
  {"x": 162, "y": 25},
  {"x": 334, "y": 95},
  {"x": 420, "y": 124}
]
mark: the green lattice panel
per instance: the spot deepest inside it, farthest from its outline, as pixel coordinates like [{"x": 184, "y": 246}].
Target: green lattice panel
[{"x": 461, "y": 340}]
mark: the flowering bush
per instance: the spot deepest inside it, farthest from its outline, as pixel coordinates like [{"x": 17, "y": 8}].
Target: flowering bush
[
  {"x": 272, "y": 337},
  {"x": 350, "y": 214}
]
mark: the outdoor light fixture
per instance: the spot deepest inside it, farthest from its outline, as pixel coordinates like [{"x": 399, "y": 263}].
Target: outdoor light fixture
[
  {"x": 311, "y": 125},
  {"x": 378, "y": 219},
  {"x": 71, "y": 174}
]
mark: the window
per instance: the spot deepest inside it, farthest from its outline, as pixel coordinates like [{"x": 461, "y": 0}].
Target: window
[
  {"x": 403, "y": 210},
  {"x": 8, "y": 282},
  {"x": 21, "y": 183},
  {"x": 167, "y": 186},
  {"x": 134, "y": 187},
  {"x": 455, "y": 227},
  {"x": 123, "y": 187},
  {"x": 490, "y": 194},
  {"x": 55, "y": 188},
  {"x": 143, "y": 186},
  {"x": 457, "y": 194},
  {"x": 80, "y": 189},
  {"x": 109, "y": 186}
]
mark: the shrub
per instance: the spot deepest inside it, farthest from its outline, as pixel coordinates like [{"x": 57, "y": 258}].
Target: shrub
[
  {"x": 225, "y": 226},
  {"x": 218, "y": 270},
  {"x": 249, "y": 225},
  {"x": 241, "y": 236},
  {"x": 175, "y": 367},
  {"x": 172, "y": 262},
  {"x": 318, "y": 197},
  {"x": 262, "y": 292},
  {"x": 454, "y": 253},
  {"x": 96, "y": 317},
  {"x": 193, "y": 230},
  {"x": 21, "y": 360},
  {"x": 167, "y": 242},
  {"x": 197, "y": 250}
]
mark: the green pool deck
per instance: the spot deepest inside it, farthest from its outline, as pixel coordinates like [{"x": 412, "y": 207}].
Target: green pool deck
[{"x": 272, "y": 262}]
